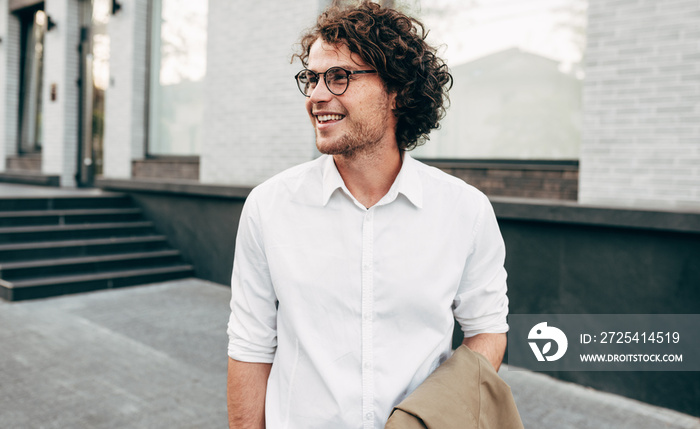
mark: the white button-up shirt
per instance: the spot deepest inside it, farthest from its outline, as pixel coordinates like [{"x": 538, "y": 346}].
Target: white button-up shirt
[{"x": 353, "y": 306}]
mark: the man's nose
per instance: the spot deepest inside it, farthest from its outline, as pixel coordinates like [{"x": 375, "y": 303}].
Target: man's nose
[{"x": 320, "y": 93}]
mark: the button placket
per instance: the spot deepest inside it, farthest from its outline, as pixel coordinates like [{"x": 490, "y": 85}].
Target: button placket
[{"x": 367, "y": 319}]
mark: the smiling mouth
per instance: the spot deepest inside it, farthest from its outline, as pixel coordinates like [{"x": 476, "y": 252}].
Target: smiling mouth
[{"x": 328, "y": 118}]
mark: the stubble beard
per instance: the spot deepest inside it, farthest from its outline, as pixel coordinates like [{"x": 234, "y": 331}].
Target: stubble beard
[{"x": 360, "y": 140}]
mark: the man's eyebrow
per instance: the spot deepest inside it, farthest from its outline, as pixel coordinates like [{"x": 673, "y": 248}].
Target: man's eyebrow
[{"x": 354, "y": 67}]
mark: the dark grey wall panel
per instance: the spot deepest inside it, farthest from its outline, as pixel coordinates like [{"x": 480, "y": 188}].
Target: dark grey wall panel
[
  {"x": 202, "y": 228},
  {"x": 561, "y": 258},
  {"x": 570, "y": 268},
  {"x": 565, "y": 268}
]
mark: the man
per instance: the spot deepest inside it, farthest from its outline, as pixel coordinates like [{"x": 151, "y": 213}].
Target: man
[{"x": 349, "y": 268}]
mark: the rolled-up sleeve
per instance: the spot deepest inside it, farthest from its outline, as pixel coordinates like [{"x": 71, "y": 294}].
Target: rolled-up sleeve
[
  {"x": 481, "y": 303},
  {"x": 252, "y": 326}
]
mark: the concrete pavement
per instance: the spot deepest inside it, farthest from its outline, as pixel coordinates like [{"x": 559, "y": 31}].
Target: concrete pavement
[{"x": 154, "y": 356}]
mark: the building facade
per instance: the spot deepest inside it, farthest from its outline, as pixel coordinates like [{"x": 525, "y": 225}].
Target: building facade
[
  {"x": 202, "y": 91},
  {"x": 186, "y": 105}
]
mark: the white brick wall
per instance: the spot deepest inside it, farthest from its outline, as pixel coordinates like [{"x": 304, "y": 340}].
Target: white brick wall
[
  {"x": 60, "y": 117},
  {"x": 9, "y": 82},
  {"x": 125, "y": 99},
  {"x": 255, "y": 124},
  {"x": 641, "y": 143},
  {"x": 4, "y": 105}
]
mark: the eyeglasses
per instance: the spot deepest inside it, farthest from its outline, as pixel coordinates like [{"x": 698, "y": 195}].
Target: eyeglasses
[{"x": 337, "y": 80}]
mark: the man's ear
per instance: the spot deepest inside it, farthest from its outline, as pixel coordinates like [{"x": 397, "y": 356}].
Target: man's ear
[{"x": 392, "y": 99}]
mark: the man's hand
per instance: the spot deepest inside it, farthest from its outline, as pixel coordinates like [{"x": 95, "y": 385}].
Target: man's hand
[
  {"x": 492, "y": 346},
  {"x": 247, "y": 384}
]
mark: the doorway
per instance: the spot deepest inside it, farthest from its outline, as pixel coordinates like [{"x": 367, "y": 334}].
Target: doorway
[
  {"x": 94, "y": 77},
  {"x": 33, "y": 26}
]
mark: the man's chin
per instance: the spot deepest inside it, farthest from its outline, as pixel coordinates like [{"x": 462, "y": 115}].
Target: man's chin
[
  {"x": 344, "y": 147},
  {"x": 328, "y": 151},
  {"x": 329, "y": 147}
]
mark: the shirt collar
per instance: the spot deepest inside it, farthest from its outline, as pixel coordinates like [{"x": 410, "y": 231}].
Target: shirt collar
[
  {"x": 407, "y": 182},
  {"x": 331, "y": 179}
]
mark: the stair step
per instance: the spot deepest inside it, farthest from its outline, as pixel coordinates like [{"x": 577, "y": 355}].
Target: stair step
[
  {"x": 24, "y": 177},
  {"x": 61, "y": 217},
  {"x": 64, "y": 266},
  {"x": 65, "y": 202},
  {"x": 60, "y": 285},
  {"x": 62, "y": 244},
  {"x": 19, "y": 234},
  {"x": 69, "y": 248}
]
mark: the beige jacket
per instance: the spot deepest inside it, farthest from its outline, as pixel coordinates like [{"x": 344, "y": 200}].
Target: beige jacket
[{"x": 465, "y": 392}]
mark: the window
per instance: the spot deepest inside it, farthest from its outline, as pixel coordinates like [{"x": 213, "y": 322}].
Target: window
[
  {"x": 517, "y": 77},
  {"x": 178, "y": 67}
]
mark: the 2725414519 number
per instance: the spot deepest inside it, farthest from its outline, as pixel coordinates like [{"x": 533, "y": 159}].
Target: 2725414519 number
[{"x": 612, "y": 337}]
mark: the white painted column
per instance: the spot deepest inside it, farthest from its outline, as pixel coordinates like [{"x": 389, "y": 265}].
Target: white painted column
[
  {"x": 9, "y": 82},
  {"x": 126, "y": 97},
  {"x": 61, "y": 71},
  {"x": 641, "y": 141},
  {"x": 255, "y": 123}
]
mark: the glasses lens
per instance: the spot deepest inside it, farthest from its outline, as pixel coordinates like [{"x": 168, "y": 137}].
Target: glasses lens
[
  {"x": 307, "y": 80},
  {"x": 336, "y": 80}
]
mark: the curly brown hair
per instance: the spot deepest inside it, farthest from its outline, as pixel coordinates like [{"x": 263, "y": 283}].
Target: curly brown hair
[{"x": 394, "y": 45}]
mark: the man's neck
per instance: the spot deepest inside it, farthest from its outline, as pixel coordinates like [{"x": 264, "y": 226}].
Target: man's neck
[{"x": 369, "y": 176}]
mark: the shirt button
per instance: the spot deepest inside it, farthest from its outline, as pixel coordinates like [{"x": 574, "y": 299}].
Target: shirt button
[
  {"x": 367, "y": 316},
  {"x": 369, "y": 416},
  {"x": 368, "y": 365}
]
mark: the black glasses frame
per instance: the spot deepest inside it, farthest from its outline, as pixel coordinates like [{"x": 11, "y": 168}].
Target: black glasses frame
[{"x": 301, "y": 85}]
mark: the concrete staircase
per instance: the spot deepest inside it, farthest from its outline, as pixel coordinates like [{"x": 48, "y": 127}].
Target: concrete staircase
[{"x": 68, "y": 244}]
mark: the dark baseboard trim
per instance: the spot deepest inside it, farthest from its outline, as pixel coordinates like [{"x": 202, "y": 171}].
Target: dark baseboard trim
[
  {"x": 506, "y": 208},
  {"x": 558, "y": 211},
  {"x": 503, "y": 164},
  {"x": 180, "y": 187}
]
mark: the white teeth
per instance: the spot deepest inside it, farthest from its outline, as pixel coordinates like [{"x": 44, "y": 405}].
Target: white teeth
[{"x": 325, "y": 118}]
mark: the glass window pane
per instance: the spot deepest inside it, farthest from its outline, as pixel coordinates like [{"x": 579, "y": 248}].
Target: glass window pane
[
  {"x": 517, "y": 77},
  {"x": 178, "y": 68}
]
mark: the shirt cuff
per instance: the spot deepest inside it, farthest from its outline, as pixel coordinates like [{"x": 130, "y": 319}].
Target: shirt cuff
[
  {"x": 244, "y": 353},
  {"x": 488, "y": 324}
]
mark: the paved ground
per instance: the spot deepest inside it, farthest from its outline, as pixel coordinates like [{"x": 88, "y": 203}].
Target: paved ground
[
  {"x": 155, "y": 357},
  {"x": 141, "y": 357}
]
